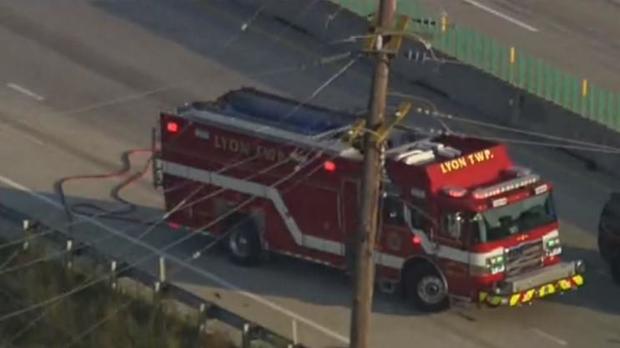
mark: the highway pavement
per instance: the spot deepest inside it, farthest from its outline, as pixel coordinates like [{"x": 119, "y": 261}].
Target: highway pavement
[
  {"x": 83, "y": 81},
  {"x": 580, "y": 37}
]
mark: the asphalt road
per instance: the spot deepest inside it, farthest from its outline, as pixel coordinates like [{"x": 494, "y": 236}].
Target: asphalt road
[
  {"x": 83, "y": 81},
  {"x": 581, "y": 37}
]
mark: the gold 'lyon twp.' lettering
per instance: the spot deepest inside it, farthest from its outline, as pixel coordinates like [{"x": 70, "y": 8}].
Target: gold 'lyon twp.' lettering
[
  {"x": 247, "y": 149},
  {"x": 465, "y": 161}
]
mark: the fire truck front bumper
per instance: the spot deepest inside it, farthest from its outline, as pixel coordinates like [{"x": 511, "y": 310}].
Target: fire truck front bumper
[{"x": 525, "y": 288}]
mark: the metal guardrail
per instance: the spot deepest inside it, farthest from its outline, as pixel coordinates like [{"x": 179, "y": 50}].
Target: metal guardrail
[
  {"x": 253, "y": 334},
  {"x": 507, "y": 63}
]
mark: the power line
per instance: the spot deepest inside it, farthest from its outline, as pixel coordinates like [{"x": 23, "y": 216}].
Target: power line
[
  {"x": 331, "y": 79},
  {"x": 197, "y": 254},
  {"x": 126, "y": 305},
  {"x": 152, "y": 227},
  {"x": 152, "y": 223},
  {"x": 525, "y": 132},
  {"x": 147, "y": 257},
  {"x": 324, "y": 85},
  {"x": 434, "y": 112},
  {"x": 103, "y": 214}
]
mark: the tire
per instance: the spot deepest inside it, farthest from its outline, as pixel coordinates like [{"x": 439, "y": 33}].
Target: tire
[
  {"x": 425, "y": 288},
  {"x": 243, "y": 242}
]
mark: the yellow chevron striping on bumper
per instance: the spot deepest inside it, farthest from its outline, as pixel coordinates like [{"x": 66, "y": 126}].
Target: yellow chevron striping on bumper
[{"x": 531, "y": 294}]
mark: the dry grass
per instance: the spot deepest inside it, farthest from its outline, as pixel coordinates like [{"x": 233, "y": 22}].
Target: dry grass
[{"x": 132, "y": 323}]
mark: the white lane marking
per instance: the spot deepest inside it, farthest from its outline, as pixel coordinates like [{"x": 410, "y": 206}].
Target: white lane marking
[
  {"x": 501, "y": 15},
  {"x": 25, "y": 135},
  {"x": 33, "y": 139},
  {"x": 25, "y": 91},
  {"x": 202, "y": 272},
  {"x": 549, "y": 336}
]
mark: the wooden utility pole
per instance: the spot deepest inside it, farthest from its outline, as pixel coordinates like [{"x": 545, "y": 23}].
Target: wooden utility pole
[{"x": 373, "y": 147}]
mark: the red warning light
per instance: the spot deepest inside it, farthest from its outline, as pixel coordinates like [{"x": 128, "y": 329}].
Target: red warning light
[
  {"x": 415, "y": 240},
  {"x": 174, "y": 225},
  {"x": 172, "y": 127},
  {"x": 329, "y": 166}
]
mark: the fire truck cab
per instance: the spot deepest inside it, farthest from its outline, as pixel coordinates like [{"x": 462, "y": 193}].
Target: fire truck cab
[{"x": 459, "y": 221}]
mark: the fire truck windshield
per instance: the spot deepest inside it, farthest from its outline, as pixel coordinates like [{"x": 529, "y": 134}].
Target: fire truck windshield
[{"x": 515, "y": 218}]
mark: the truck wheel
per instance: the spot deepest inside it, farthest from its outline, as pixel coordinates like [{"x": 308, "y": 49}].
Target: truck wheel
[
  {"x": 244, "y": 243},
  {"x": 425, "y": 288}
]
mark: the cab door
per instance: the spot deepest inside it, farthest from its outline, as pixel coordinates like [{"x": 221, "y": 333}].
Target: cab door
[
  {"x": 453, "y": 254},
  {"x": 393, "y": 232}
]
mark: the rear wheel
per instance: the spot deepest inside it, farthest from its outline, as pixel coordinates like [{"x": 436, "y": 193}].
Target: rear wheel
[
  {"x": 425, "y": 288},
  {"x": 243, "y": 242}
]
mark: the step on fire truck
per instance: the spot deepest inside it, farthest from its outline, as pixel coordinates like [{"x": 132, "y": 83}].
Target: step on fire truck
[{"x": 458, "y": 220}]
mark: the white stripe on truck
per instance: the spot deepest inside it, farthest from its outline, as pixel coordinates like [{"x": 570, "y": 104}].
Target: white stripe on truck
[{"x": 310, "y": 241}]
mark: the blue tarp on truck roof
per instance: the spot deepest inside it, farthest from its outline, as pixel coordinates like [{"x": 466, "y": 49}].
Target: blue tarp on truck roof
[{"x": 278, "y": 112}]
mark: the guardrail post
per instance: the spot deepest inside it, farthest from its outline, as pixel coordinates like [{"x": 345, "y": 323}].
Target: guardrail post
[
  {"x": 113, "y": 275},
  {"x": 27, "y": 229},
  {"x": 294, "y": 328},
  {"x": 245, "y": 335},
  {"x": 202, "y": 317},
  {"x": 160, "y": 284},
  {"x": 162, "y": 269},
  {"x": 69, "y": 254}
]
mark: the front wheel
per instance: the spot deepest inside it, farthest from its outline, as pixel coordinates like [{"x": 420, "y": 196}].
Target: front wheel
[{"x": 425, "y": 288}]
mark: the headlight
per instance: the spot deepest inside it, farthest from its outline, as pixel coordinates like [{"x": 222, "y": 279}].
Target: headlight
[
  {"x": 553, "y": 246},
  {"x": 496, "y": 264}
]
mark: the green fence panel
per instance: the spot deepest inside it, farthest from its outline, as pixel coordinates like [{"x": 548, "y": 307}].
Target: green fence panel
[
  {"x": 466, "y": 46},
  {"x": 530, "y": 81},
  {"x": 487, "y": 56},
  {"x": 612, "y": 113},
  {"x": 566, "y": 91},
  {"x": 521, "y": 71},
  {"x": 495, "y": 58},
  {"x": 471, "y": 45},
  {"x": 530, "y": 73},
  {"x": 602, "y": 106},
  {"x": 448, "y": 43},
  {"x": 609, "y": 117},
  {"x": 592, "y": 95},
  {"x": 479, "y": 51},
  {"x": 460, "y": 44},
  {"x": 540, "y": 71},
  {"x": 576, "y": 96},
  {"x": 557, "y": 86},
  {"x": 550, "y": 77},
  {"x": 616, "y": 120}
]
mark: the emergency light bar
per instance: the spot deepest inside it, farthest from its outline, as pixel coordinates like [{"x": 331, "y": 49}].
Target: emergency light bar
[{"x": 490, "y": 191}]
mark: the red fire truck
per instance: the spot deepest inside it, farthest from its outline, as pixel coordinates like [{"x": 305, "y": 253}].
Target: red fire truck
[{"x": 459, "y": 222}]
